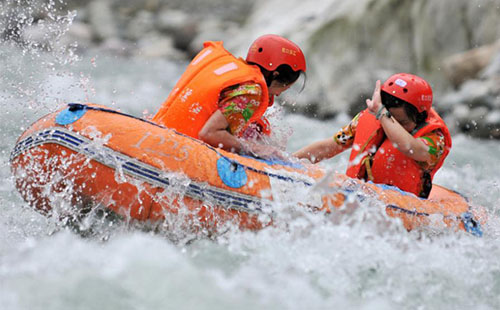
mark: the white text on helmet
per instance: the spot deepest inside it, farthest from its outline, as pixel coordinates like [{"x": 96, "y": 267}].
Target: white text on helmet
[
  {"x": 288, "y": 51},
  {"x": 426, "y": 98}
]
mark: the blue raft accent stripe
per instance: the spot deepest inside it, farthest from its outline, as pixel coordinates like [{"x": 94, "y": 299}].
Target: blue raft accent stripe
[
  {"x": 135, "y": 168},
  {"x": 276, "y": 161},
  {"x": 407, "y": 211},
  {"x": 147, "y": 175},
  {"x": 277, "y": 176},
  {"x": 394, "y": 188}
]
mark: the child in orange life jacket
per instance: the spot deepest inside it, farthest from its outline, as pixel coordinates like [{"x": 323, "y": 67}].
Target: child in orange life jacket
[
  {"x": 398, "y": 140},
  {"x": 220, "y": 96}
]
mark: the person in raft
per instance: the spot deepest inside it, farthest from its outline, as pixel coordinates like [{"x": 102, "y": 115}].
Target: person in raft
[
  {"x": 397, "y": 140},
  {"x": 220, "y": 97}
]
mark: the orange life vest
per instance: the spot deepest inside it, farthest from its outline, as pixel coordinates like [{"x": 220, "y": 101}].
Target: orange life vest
[
  {"x": 374, "y": 158},
  {"x": 195, "y": 97}
]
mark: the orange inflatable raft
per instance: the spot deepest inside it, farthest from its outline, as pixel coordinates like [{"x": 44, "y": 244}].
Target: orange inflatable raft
[{"x": 91, "y": 155}]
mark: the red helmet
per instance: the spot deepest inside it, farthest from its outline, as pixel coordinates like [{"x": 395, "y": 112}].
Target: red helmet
[
  {"x": 270, "y": 51},
  {"x": 410, "y": 88}
]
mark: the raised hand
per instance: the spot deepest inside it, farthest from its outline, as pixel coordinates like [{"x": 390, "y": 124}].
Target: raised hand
[{"x": 375, "y": 103}]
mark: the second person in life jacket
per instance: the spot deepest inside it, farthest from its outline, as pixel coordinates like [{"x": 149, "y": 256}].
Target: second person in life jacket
[
  {"x": 219, "y": 96},
  {"x": 398, "y": 140}
]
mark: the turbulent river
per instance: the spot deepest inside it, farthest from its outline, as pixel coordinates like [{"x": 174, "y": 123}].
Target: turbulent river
[{"x": 360, "y": 260}]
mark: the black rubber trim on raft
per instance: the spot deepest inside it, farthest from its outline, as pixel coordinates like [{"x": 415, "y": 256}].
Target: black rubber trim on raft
[{"x": 77, "y": 106}]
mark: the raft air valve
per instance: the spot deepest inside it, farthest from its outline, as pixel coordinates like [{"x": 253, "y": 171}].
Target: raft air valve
[{"x": 71, "y": 114}]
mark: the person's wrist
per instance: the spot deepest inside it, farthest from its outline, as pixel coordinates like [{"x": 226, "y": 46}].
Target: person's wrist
[
  {"x": 383, "y": 112},
  {"x": 380, "y": 110}
]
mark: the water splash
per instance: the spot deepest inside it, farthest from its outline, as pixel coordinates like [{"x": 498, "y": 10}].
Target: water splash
[{"x": 357, "y": 258}]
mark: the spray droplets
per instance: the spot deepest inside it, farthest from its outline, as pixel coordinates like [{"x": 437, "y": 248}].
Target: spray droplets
[{"x": 33, "y": 50}]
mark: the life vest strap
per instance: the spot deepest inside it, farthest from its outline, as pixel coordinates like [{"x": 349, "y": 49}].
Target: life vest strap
[{"x": 367, "y": 161}]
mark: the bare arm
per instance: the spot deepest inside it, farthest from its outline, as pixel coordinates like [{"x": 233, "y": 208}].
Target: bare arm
[
  {"x": 215, "y": 133},
  {"x": 319, "y": 150},
  {"x": 404, "y": 141}
]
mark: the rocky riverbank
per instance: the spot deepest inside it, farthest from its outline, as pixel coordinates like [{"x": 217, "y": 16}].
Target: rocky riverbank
[{"x": 348, "y": 44}]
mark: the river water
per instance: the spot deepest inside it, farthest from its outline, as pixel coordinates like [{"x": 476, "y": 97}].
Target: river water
[{"x": 360, "y": 260}]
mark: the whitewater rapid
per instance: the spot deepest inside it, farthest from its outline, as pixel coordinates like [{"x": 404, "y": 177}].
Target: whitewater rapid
[
  {"x": 358, "y": 259},
  {"x": 355, "y": 260}
]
